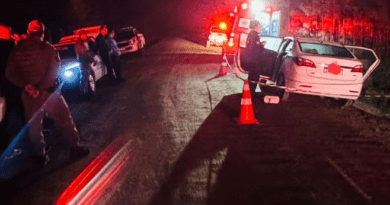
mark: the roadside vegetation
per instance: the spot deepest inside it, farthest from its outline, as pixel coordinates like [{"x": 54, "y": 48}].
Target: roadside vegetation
[{"x": 378, "y": 84}]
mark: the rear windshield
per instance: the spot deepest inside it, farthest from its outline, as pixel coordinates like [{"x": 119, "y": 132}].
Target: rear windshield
[
  {"x": 67, "y": 52},
  {"x": 124, "y": 35},
  {"x": 326, "y": 50}
]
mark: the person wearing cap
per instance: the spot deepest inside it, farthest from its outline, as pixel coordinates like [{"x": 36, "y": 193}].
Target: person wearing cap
[
  {"x": 104, "y": 50},
  {"x": 33, "y": 66}
]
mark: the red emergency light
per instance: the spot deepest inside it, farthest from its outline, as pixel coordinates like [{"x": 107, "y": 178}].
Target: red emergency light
[
  {"x": 222, "y": 26},
  {"x": 244, "y": 6}
]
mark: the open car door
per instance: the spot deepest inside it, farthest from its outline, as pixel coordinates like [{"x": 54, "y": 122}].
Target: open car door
[{"x": 368, "y": 57}]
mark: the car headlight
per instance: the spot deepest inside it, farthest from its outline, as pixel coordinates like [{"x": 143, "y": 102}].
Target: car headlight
[{"x": 71, "y": 73}]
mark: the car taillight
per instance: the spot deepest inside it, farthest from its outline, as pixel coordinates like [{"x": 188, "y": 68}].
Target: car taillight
[
  {"x": 304, "y": 62},
  {"x": 357, "y": 69}
]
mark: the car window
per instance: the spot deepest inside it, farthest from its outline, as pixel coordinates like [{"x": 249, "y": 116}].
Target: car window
[
  {"x": 272, "y": 43},
  {"x": 325, "y": 50},
  {"x": 124, "y": 35},
  {"x": 67, "y": 52}
]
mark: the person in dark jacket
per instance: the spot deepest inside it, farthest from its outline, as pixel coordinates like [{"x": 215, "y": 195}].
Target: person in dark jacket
[
  {"x": 33, "y": 66},
  {"x": 252, "y": 55},
  {"x": 104, "y": 50},
  {"x": 114, "y": 54}
]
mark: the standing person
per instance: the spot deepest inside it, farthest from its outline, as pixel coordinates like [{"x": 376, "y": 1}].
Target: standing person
[
  {"x": 252, "y": 56},
  {"x": 114, "y": 54},
  {"x": 85, "y": 58},
  {"x": 14, "y": 119},
  {"x": 33, "y": 66},
  {"x": 92, "y": 45},
  {"x": 103, "y": 49}
]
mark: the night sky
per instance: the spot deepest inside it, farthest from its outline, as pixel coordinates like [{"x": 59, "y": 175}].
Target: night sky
[{"x": 148, "y": 15}]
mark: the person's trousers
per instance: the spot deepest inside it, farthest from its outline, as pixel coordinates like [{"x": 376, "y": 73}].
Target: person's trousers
[
  {"x": 253, "y": 79},
  {"x": 56, "y": 107},
  {"x": 117, "y": 65},
  {"x": 107, "y": 61}
]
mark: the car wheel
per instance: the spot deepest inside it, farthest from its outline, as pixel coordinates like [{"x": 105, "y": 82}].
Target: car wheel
[
  {"x": 91, "y": 86},
  {"x": 140, "y": 51},
  {"x": 282, "y": 93}
]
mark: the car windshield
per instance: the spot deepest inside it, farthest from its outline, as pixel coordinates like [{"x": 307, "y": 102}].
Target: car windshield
[
  {"x": 326, "y": 50},
  {"x": 67, "y": 52},
  {"x": 124, "y": 35}
]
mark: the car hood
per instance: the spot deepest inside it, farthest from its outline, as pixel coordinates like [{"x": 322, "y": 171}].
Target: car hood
[{"x": 67, "y": 62}]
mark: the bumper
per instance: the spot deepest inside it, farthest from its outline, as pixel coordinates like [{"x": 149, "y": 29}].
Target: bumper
[
  {"x": 128, "y": 49},
  {"x": 344, "y": 91},
  {"x": 216, "y": 43}
]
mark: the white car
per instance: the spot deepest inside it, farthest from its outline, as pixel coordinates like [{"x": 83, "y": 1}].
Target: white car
[
  {"x": 314, "y": 67},
  {"x": 129, "y": 40},
  {"x": 71, "y": 74}
]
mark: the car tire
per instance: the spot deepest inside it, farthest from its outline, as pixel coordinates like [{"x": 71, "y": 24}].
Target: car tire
[
  {"x": 282, "y": 93},
  {"x": 91, "y": 86}
]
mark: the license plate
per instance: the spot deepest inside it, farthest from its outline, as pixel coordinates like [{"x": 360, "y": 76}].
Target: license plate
[{"x": 327, "y": 71}]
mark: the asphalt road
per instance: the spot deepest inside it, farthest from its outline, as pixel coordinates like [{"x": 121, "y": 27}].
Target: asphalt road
[{"x": 183, "y": 145}]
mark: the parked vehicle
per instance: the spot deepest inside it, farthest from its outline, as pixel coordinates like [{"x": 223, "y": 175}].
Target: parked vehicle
[
  {"x": 314, "y": 67},
  {"x": 129, "y": 40},
  {"x": 216, "y": 37},
  {"x": 91, "y": 31},
  {"x": 71, "y": 73}
]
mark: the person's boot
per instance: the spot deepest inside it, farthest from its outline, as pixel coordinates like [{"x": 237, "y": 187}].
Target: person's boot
[{"x": 78, "y": 153}]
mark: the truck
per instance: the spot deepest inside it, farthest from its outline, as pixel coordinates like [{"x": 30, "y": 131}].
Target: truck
[{"x": 245, "y": 12}]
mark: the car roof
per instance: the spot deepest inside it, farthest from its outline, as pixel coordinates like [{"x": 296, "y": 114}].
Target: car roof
[
  {"x": 317, "y": 41},
  {"x": 125, "y": 28},
  {"x": 67, "y": 40},
  {"x": 90, "y": 29}
]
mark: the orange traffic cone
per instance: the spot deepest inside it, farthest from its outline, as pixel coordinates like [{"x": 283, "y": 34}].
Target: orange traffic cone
[
  {"x": 223, "y": 71},
  {"x": 247, "y": 116}
]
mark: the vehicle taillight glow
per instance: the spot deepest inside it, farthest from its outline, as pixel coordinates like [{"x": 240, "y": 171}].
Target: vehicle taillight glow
[
  {"x": 304, "y": 62},
  {"x": 222, "y": 26},
  {"x": 357, "y": 69},
  {"x": 244, "y": 6}
]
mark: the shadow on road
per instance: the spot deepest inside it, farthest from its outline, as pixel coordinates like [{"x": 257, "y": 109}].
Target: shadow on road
[{"x": 274, "y": 163}]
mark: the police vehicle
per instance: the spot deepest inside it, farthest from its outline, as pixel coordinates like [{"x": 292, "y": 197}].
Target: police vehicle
[{"x": 71, "y": 74}]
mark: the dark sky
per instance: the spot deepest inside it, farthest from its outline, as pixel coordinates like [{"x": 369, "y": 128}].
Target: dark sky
[{"x": 140, "y": 13}]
